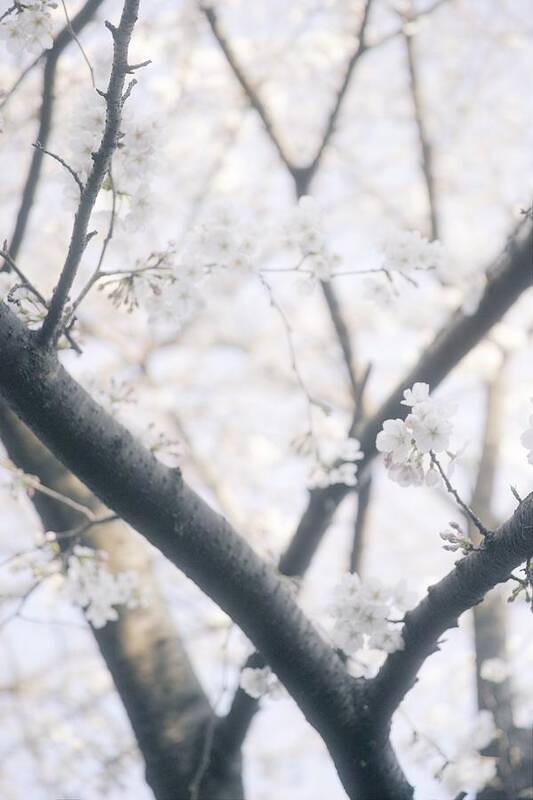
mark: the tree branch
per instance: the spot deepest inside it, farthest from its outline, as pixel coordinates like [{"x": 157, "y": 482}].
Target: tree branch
[
  {"x": 165, "y": 703},
  {"x": 249, "y": 91},
  {"x": 302, "y": 176},
  {"x": 426, "y": 151},
  {"x": 115, "y": 97},
  {"x": 155, "y": 501},
  {"x": 359, "y": 528},
  {"x": 333, "y": 117},
  {"x": 45, "y": 118},
  {"x": 451, "y": 344},
  {"x": 7, "y": 95},
  {"x": 460, "y": 590},
  {"x": 456, "y": 339},
  {"x": 343, "y": 336}
]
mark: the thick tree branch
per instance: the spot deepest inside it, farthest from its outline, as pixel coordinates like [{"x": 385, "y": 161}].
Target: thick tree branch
[
  {"x": 114, "y": 97},
  {"x": 165, "y": 703},
  {"x": 464, "y": 587},
  {"x": 155, "y": 501},
  {"x": 454, "y": 341}
]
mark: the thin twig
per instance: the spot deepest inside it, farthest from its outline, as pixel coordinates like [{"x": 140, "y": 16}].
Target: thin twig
[
  {"x": 21, "y": 603},
  {"x": 249, "y": 91},
  {"x": 426, "y": 151},
  {"x": 467, "y": 510},
  {"x": 80, "y": 46},
  {"x": 63, "y": 163},
  {"x": 333, "y": 117},
  {"x": 294, "y": 364},
  {"x": 26, "y": 281},
  {"x": 10, "y": 10},
  {"x": 25, "y": 72},
  {"x": 413, "y": 19},
  {"x": 205, "y": 758},
  {"x": 98, "y": 271}
]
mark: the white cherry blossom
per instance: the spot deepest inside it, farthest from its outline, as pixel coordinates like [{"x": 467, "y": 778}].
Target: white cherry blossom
[
  {"x": 406, "y": 251},
  {"x": 91, "y": 586},
  {"x": 406, "y": 444},
  {"x": 362, "y": 613},
  {"x": 407, "y": 474},
  {"x": 419, "y": 393},
  {"x": 259, "y": 682},
  {"x": 255, "y": 681},
  {"x": 430, "y": 431},
  {"x": 395, "y": 439}
]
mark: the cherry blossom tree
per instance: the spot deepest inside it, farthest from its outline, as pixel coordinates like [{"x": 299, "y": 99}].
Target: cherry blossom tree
[{"x": 264, "y": 399}]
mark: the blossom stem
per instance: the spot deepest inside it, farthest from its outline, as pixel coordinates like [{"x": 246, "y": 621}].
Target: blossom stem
[{"x": 467, "y": 510}]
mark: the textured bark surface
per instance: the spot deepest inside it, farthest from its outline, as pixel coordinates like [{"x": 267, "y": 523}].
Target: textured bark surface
[
  {"x": 155, "y": 500},
  {"x": 351, "y": 716}
]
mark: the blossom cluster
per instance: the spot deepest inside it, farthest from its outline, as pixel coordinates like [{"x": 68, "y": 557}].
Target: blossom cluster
[
  {"x": 470, "y": 770},
  {"x": 304, "y": 233},
  {"x": 91, "y": 586},
  {"x": 29, "y": 30},
  {"x": 409, "y": 251},
  {"x": 260, "y": 682},
  {"x": 344, "y": 469},
  {"x": 169, "y": 286},
  {"x": 134, "y": 161},
  {"x": 218, "y": 243},
  {"x": 221, "y": 241},
  {"x": 466, "y": 769},
  {"x": 407, "y": 443},
  {"x": 404, "y": 254},
  {"x": 362, "y": 613}
]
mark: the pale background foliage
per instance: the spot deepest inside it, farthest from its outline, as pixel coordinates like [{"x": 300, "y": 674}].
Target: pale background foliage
[{"x": 223, "y": 388}]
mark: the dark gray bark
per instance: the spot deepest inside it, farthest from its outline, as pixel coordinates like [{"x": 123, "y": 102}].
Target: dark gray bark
[
  {"x": 463, "y": 588},
  {"x": 155, "y": 500}
]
